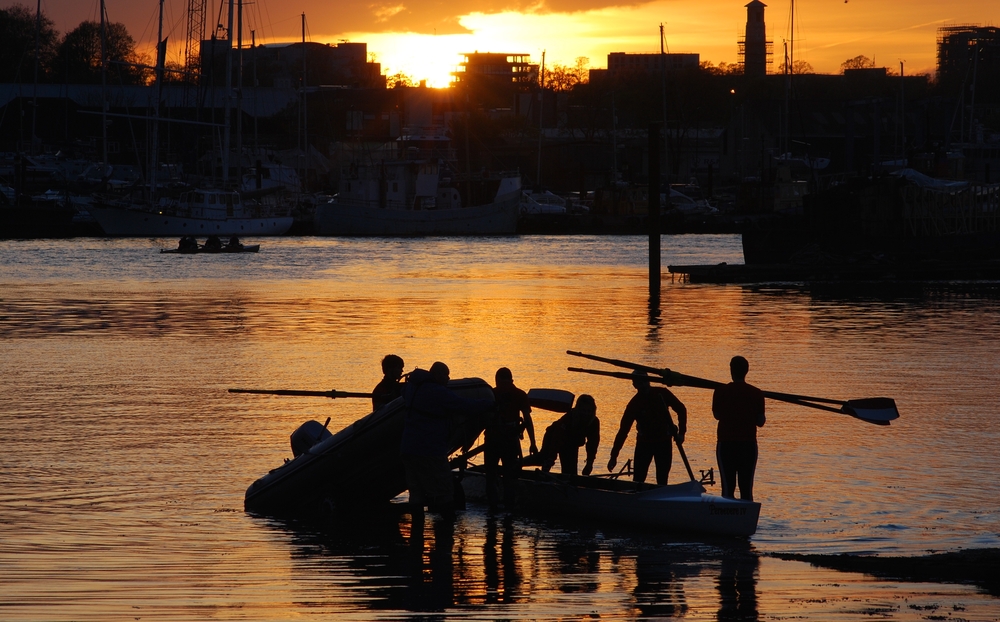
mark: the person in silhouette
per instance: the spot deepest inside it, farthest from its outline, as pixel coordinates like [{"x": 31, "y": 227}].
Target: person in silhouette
[
  {"x": 649, "y": 410},
  {"x": 739, "y": 408},
  {"x": 389, "y": 388},
  {"x": 430, "y": 409},
  {"x": 188, "y": 243},
  {"x": 563, "y": 439},
  {"x": 213, "y": 244},
  {"x": 503, "y": 438},
  {"x": 234, "y": 244}
]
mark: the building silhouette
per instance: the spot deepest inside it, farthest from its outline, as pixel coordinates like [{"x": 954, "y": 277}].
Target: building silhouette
[{"x": 754, "y": 48}]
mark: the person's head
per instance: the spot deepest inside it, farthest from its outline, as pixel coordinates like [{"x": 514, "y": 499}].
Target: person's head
[
  {"x": 504, "y": 377},
  {"x": 586, "y": 406},
  {"x": 640, "y": 380},
  {"x": 739, "y": 367},
  {"x": 392, "y": 366},
  {"x": 440, "y": 373}
]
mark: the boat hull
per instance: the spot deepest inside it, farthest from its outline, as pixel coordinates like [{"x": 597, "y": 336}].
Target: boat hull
[
  {"x": 251, "y": 248},
  {"x": 357, "y": 467},
  {"x": 125, "y": 222},
  {"x": 677, "y": 508},
  {"x": 497, "y": 218}
]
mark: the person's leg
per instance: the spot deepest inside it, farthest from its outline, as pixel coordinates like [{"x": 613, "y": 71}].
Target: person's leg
[
  {"x": 663, "y": 455},
  {"x": 727, "y": 469},
  {"x": 511, "y": 473},
  {"x": 641, "y": 458},
  {"x": 492, "y": 457},
  {"x": 567, "y": 460},
  {"x": 745, "y": 470},
  {"x": 440, "y": 487}
]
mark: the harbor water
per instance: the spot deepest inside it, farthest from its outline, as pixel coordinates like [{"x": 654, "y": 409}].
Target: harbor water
[{"x": 125, "y": 460}]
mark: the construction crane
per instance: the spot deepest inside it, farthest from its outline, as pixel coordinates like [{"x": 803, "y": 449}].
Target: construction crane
[{"x": 195, "y": 33}]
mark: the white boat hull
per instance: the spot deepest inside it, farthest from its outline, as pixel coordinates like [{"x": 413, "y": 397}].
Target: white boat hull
[
  {"x": 677, "y": 508},
  {"x": 497, "y": 218},
  {"x": 118, "y": 221}
]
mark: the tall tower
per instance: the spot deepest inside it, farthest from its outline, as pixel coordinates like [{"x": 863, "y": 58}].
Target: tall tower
[
  {"x": 754, "y": 48},
  {"x": 195, "y": 34}
]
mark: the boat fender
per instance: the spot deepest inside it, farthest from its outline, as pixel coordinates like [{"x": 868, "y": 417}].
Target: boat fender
[{"x": 307, "y": 435}]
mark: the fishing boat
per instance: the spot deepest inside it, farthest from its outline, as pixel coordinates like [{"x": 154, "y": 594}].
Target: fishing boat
[
  {"x": 673, "y": 508},
  {"x": 355, "y": 468},
  {"x": 198, "y": 212},
  {"x": 414, "y": 190}
]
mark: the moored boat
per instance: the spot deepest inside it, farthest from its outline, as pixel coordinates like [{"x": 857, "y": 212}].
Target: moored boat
[
  {"x": 414, "y": 189},
  {"x": 199, "y": 212},
  {"x": 355, "y": 468}
]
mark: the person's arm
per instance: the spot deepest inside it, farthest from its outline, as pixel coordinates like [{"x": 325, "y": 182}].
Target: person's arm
[
  {"x": 682, "y": 422},
  {"x": 593, "y": 441},
  {"x": 716, "y": 403},
  {"x": 628, "y": 418},
  {"x": 529, "y": 427}
]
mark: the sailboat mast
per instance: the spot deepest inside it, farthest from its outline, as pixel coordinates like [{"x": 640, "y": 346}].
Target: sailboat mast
[
  {"x": 541, "y": 105},
  {"x": 229, "y": 100},
  {"x": 239, "y": 95},
  {"x": 161, "y": 52},
  {"x": 305, "y": 110},
  {"x": 104, "y": 90},
  {"x": 34, "y": 96},
  {"x": 663, "y": 88}
]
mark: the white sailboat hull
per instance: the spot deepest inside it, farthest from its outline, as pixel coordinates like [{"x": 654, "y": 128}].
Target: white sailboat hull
[
  {"x": 125, "y": 222},
  {"x": 497, "y": 218}
]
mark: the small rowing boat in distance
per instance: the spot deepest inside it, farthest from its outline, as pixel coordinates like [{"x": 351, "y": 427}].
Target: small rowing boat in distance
[{"x": 243, "y": 248}]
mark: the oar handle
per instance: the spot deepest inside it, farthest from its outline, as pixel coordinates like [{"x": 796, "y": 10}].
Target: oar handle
[
  {"x": 296, "y": 393},
  {"x": 687, "y": 465}
]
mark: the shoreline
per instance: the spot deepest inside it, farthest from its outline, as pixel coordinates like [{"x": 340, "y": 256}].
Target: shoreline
[{"x": 970, "y": 566}]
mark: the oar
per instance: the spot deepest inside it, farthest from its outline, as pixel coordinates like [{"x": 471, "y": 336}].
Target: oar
[
  {"x": 687, "y": 465},
  {"x": 331, "y": 393},
  {"x": 876, "y": 410}
]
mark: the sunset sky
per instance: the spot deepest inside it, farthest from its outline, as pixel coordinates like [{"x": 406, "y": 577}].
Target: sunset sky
[{"x": 424, "y": 38}]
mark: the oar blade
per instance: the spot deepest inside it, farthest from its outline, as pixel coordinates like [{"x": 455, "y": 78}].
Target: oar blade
[{"x": 877, "y": 410}]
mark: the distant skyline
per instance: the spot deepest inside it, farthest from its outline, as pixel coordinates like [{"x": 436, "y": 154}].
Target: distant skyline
[{"x": 424, "y": 38}]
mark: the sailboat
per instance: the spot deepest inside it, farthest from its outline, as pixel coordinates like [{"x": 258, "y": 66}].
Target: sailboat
[
  {"x": 197, "y": 212},
  {"x": 417, "y": 191}
]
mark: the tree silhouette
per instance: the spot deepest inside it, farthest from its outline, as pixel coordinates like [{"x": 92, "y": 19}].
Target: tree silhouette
[
  {"x": 17, "y": 44},
  {"x": 858, "y": 62},
  {"x": 78, "y": 59}
]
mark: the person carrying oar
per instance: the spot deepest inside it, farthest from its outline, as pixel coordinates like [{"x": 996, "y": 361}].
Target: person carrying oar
[
  {"x": 739, "y": 408},
  {"x": 649, "y": 410}
]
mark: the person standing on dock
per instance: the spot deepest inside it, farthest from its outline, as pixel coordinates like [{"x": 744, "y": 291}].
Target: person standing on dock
[
  {"x": 739, "y": 407},
  {"x": 430, "y": 409},
  {"x": 563, "y": 439},
  {"x": 649, "y": 410},
  {"x": 503, "y": 438},
  {"x": 389, "y": 388}
]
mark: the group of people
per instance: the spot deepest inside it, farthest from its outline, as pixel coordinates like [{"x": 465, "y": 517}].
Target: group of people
[
  {"x": 431, "y": 405},
  {"x": 212, "y": 244}
]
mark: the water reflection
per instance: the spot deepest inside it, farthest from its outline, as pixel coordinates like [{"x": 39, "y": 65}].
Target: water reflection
[
  {"x": 503, "y": 578},
  {"x": 738, "y": 586},
  {"x": 492, "y": 567}
]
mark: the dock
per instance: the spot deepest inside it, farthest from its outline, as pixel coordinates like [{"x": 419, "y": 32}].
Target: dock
[{"x": 916, "y": 271}]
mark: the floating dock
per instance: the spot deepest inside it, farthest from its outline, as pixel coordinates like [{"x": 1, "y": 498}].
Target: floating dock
[{"x": 921, "y": 271}]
